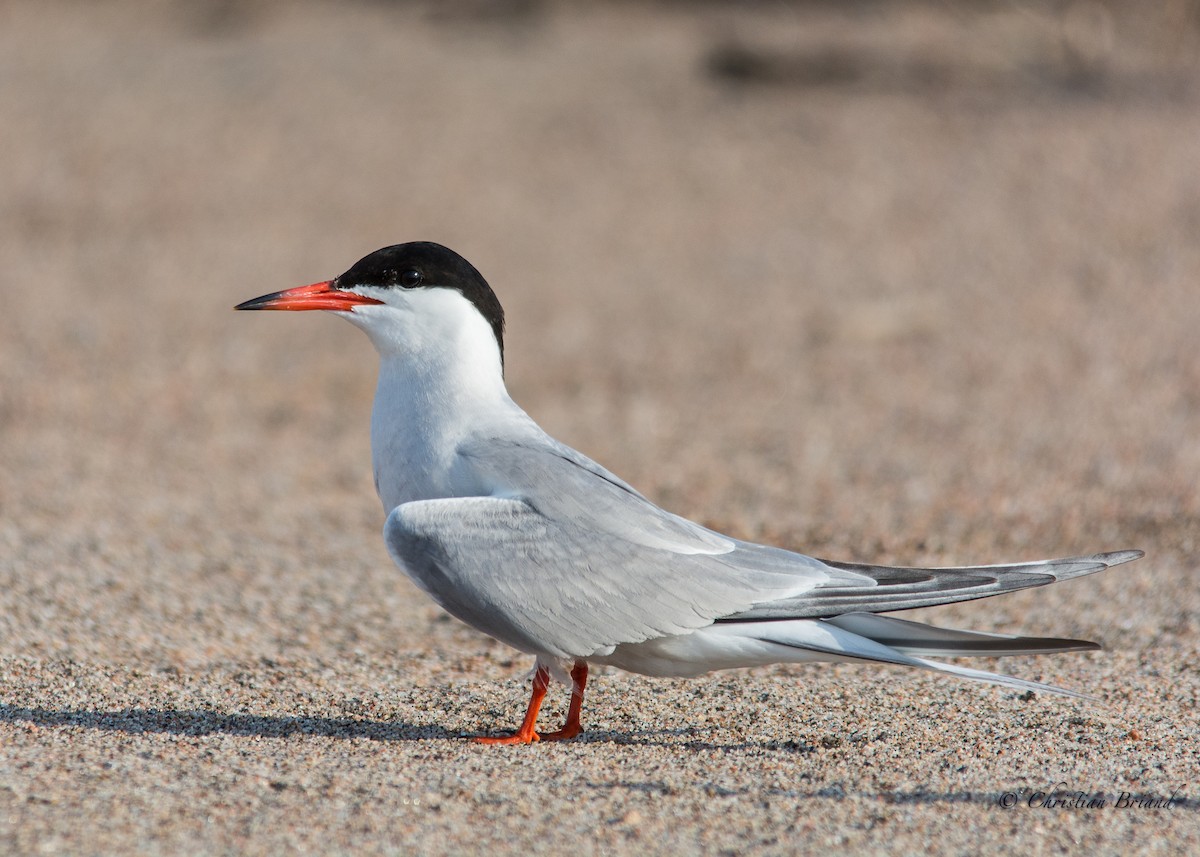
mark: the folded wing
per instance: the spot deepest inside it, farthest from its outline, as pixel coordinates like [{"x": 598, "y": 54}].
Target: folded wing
[
  {"x": 552, "y": 587},
  {"x": 566, "y": 560}
]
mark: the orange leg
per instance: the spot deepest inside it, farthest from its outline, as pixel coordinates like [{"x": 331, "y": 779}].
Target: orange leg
[
  {"x": 572, "y": 727},
  {"x": 527, "y": 734}
]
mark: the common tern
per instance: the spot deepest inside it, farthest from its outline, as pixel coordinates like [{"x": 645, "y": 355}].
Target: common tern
[{"x": 533, "y": 543}]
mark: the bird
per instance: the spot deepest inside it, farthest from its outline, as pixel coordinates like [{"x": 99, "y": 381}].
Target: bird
[{"x": 533, "y": 543}]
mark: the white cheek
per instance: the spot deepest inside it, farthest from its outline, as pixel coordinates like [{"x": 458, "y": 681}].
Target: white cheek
[
  {"x": 427, "y": 324},
  {"x": 384, "y": 325}
]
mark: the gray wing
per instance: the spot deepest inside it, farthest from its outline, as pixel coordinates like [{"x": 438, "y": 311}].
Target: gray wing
[
  {"x": 565, "y": 485},
  {"x": 548, "y": 585},
  {"x": 566, "y": 559}
]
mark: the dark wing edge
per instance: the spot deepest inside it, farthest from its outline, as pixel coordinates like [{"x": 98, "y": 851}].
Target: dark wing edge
[{"x": 900, "y": 588}]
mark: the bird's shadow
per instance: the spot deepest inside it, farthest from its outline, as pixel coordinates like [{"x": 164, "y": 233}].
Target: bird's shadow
[
  {"x": 136, "y": 721},
  {"x": 198, "y": 722},
  {"x": 1021, "y": 798}
]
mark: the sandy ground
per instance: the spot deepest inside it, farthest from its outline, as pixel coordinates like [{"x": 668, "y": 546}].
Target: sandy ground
[{"x": 894, "y": 282}]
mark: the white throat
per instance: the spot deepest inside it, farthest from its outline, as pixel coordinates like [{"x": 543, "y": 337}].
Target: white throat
[{"x": 440, "y": 382}]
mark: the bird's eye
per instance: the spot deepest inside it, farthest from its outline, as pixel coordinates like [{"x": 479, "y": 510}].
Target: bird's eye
[{"x": 411, "y": 278}]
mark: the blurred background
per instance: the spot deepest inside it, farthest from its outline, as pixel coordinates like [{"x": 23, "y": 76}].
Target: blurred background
[
  {"x": 910, "y": 281},
  {"x": 889, "y": 280},
  {"x": 903, "y": 281},
  {"x": 894, "y": 280}
]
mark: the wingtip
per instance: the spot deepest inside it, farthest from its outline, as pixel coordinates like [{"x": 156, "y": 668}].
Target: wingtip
[{"x": 1112, "y": 558}]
